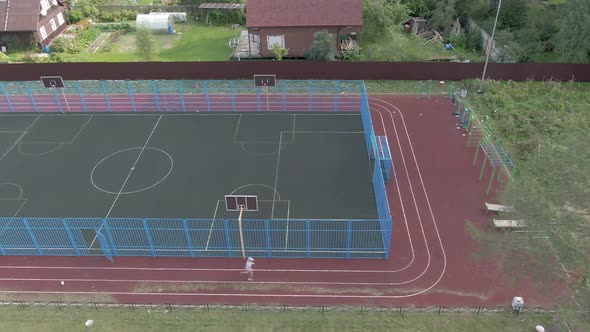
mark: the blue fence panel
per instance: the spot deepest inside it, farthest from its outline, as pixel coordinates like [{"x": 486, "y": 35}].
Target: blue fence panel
[
  {"x": 52, "y": 237},
  {"x": 129, "y": 237},
  {"x": 15, "y": 238}
]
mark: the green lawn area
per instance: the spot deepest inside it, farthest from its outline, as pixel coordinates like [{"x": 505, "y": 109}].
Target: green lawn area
[
  {"x": 402, "y": 46},
  {"x": 193, "y": 42},
  {"x": 72, "y": 319}
]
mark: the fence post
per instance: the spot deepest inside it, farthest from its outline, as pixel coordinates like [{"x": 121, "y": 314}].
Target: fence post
[
  {"x": 149, "y": 237},
  {"x": 6, "y": 96},
  {"x": 309, "y": 94},
  {"x": 206, "y": 90},
  {"x": 56, "y": 96},
  {"x": 71, "y": 237},
  {"x": 258, "y": 101},
  {"x": 2, "y": 250},
  {"x": 32, "y": 235},
  {"x": 106, "y": 95},
  {"x": 336, "y": 91},
  {"x": 130, "y": 90},
  {"x": 348, "y": 237},
  {"x": 189, "y": 242},
  {"x": 155, "y": 86},
  {"x": 308, "y": 237},
  {"x": 228, "y": 238},
  {"x": 284, "y": 88},
  {"x": 268, "y": 241},
  {"x": 28, "y": 87},
  {"x": 80, "y": 95},
  {"x": 181, "y": 95},
  {"x": 107, "y": 228},
  {"x": 232, "y": 96}
]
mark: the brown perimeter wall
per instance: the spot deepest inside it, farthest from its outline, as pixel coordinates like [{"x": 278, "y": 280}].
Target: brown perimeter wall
[{"x": 295, "y": 70}]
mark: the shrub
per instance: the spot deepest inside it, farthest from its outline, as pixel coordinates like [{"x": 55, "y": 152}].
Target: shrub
[
  {"x": 106, "y": 17},
  {"x": 115, "y": 26},
  {"x": 90, "y": 11},
  {"x": 459, "y": 40},
  {"x": 61, "y": 45},
  {"x": 13, "y": 44},
  {"x": 473, "y": 40},
  {"x": 75, "y": 16},
  {"x": 323, "y": 47},
  {"x": 55, "y": 57}
]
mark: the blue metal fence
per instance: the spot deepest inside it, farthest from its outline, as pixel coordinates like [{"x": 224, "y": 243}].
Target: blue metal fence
[
  {"x": 192, "y": 237},
  {"x": 113, "y": 237},
  {"x": 181, "y": 96}
]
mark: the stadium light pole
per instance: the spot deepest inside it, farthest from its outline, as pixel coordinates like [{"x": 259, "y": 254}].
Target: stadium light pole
[{"x": 485, "y": 66}]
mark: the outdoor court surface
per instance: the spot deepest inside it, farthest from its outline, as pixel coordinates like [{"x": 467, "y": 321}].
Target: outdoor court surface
[
  {"x": 182, "y": 165},
  {"x": 433, "y": 191}
]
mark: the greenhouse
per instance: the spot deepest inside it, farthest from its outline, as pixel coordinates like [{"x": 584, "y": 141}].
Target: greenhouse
[{"x": 156, "y": 23}]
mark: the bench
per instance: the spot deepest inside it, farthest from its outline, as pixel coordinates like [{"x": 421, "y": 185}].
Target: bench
[
  {"x": 498, "y": 207},
  {"x": 504, "y": 223}
]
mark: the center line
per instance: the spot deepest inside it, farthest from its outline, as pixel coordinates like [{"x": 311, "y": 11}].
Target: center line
[{"x": 127, "y": 178}]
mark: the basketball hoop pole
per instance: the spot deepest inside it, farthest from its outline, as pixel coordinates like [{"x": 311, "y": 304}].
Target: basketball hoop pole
[
  {"x": 241, "y": 233},
  {"x": 266, "y": 92}
]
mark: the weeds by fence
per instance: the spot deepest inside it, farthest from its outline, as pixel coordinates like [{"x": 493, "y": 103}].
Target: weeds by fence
[{"x": 282, "y": 308}]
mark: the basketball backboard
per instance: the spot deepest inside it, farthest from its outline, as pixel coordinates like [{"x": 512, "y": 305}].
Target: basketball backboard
[
  {"x": 237, "y": 202},
  {"x": 53, "y": 81},
  {"x": 265, "y": 80}
]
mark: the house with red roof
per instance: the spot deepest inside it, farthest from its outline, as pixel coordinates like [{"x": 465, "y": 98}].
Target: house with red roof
[
  {"x": 25, "y": 18},
  {"x": 292, "y": 24}
]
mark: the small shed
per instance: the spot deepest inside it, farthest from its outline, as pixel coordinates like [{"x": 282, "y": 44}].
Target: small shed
[
  {"x": 156, "y": 23},
  {"x": 415, "y": 24}
]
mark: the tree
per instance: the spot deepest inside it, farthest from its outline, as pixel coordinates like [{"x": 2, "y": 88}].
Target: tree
[
  {"x": 572, "y": 40},
  {"x": 146, "y": 48},
  {"x": 279, "y": 51},
  {"x": 420, "y": 7},
  {"x": 443, "y": 16},
  {"x": 379, "y": 16},
  {"x": 323, "y": 47},
  {"x": 513, "y": 14}
]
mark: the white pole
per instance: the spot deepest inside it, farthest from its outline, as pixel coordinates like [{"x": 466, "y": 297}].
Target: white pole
[{"x": 485, "y": 67}]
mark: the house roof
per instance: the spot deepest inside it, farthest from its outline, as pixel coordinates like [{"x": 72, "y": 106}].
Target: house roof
[
  {"x": 296, "y": 13},
  {"x": 19, "y": 15}
]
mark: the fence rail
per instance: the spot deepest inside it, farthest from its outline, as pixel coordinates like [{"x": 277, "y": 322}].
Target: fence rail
[
  {"x": 181, "y": 96},
  {"x": 284, "y": 308},
  {"x": 276, "y": 238}
]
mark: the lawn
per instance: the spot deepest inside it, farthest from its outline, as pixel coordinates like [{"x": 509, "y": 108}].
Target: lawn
[
  {"x": 192, "y": 42},
  {"x": 73, "y": 319},
  {"x": 401, "y": 46}
]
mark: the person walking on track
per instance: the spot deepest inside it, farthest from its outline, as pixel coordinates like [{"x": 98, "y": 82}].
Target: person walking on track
[{"x": 248, "y": 269}]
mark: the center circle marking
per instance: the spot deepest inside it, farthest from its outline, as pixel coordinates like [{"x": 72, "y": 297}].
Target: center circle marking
[{"x": 162, "y": 152}]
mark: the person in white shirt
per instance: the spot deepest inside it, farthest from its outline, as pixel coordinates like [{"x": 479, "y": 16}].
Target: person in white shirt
[{"x": 248, "y": 269}]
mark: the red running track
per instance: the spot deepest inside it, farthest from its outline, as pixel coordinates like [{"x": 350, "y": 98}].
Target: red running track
[{"x": 434, "y": 189}]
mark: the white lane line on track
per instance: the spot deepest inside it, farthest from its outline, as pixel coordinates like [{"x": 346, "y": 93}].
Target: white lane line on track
[
  {"x": 400, "y": 196},
  {"x": 442, "y": 273},
  {"x": 411, "y": 187},
  {"x": 342, "y": 296},
  {"x": 224, "y": 282},
  {"x": 13, "y": 267}
]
